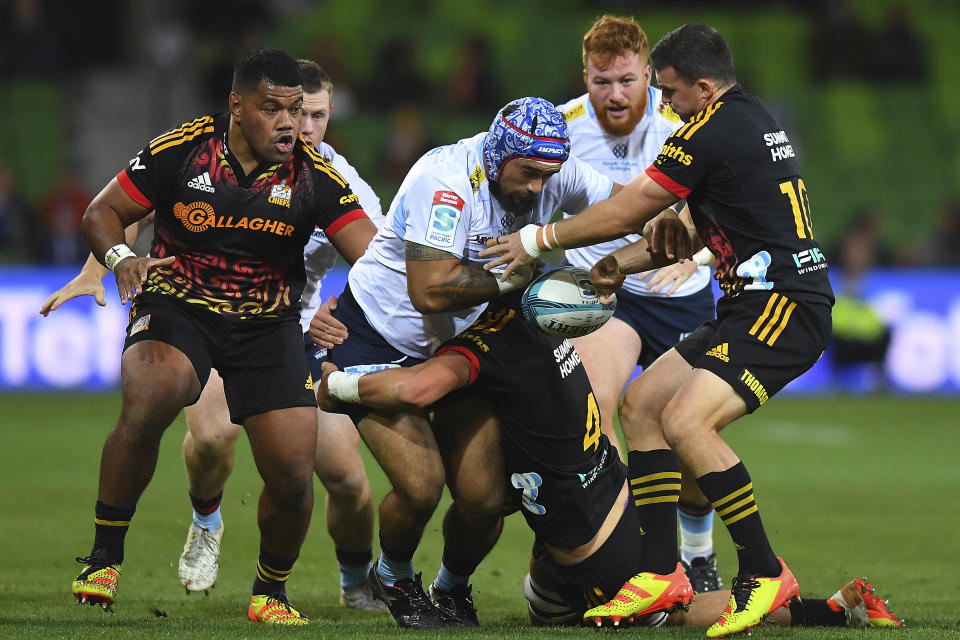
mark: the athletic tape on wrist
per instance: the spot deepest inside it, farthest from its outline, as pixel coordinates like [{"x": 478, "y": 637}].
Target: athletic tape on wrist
[
  {"x": 116, "y": 253},
  {"x": 528, "y": 237},
  {"x": 518, "y": 278},
  {"x": 703, "y": 257},
  {"x": 344, "y": 386}
]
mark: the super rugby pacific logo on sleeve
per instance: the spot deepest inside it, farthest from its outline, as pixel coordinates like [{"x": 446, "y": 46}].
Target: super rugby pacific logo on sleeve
[{"x": 446, "y": 210}]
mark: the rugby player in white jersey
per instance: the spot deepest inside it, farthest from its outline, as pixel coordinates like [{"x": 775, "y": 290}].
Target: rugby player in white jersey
[
  {"x": 618, "y": 127},
  {"x": 421, "y": 283},
  {"x": 209, "y": 443}
]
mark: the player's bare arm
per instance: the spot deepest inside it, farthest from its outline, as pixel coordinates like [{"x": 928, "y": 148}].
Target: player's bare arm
[
  {"x": 89, "y": 282},
  {"x": 438, "y": 281},
  {"x": 103, "y": 224},
  {"x": 351, "y": 241},
  {"x": 626, "y": 211},
  {"x": 401, "y": 389}
]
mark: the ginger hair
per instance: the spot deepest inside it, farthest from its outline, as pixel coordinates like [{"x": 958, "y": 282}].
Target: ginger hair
[{"x": 611, "y": 36}]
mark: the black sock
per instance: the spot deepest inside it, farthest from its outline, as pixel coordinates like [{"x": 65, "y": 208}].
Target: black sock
[
  {"x": 731, "y": 493},
  {"x": 206, "y": 507},
  {"x": 655, "y": 489},
  {"x": 810, "y": 612},
  {"x": 394, "y": 553},
  {"x": 354, "y": 558},
  {"x": 272, "y": 574},
  {"x": 110, "y": 525}
]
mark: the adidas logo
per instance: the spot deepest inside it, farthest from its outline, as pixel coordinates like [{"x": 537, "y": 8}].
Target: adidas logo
[
  {"x": 202, "y": 182},
  {"x": 719, "y": 351}
]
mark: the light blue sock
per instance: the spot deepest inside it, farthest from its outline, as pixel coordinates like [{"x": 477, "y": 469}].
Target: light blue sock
[
  {"x": 447, "y": 579},
  {"x": 353, "y": 576},
  {"x": 391, "y": 571},
  {"x": 212, "y": 521},
  {"x": 696, "y": 535}
]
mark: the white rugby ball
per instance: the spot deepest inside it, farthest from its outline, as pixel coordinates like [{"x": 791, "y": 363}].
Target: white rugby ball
[{"x": 564, "y": 303}]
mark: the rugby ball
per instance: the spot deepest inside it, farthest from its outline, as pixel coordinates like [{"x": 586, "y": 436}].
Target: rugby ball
[{"x": 564, "y": 303}]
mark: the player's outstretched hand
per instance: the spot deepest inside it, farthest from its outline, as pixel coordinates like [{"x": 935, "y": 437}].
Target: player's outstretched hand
[
  {"x": 667, "y": 236},
  {"x": 606, "y": 277},
  {"x": 506, "y": 250},
  {"x": 132, "y": 272},
  {"x": 669, "y": 278},
  {"x": 325, "y": 330},
  {"x": 83, "y": 284},
  {"x": 325, "y": 401}
]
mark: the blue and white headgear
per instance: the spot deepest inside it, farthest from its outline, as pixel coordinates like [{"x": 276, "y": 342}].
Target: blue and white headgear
[{"x": 529, "y": 128}]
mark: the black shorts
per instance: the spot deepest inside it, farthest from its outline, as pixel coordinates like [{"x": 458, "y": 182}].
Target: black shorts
[
  {"x": 759, "y": 342},
  {"x": 663, "y": 322},
  {"x": 598, "y": 578},
  {"x": 261, "y": 361},
  {"x": 363, "y": 348}
]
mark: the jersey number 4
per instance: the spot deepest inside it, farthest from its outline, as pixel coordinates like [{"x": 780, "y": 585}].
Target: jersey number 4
[
  {"x": 800, "y": 203},
  {"x": 592, "y": 437}
]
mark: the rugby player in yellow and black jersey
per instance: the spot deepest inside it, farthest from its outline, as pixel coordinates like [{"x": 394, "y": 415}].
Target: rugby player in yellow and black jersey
[
  {"x": 565, "y": 477},
  {"x": 736, "y": 166},
  {"x": 236, "y": 198}
]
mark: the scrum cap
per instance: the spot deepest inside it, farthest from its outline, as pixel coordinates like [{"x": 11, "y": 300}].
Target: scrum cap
[{"x": 529, "y": 128}]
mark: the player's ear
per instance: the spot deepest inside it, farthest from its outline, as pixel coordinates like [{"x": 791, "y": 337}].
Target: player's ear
[
  {"x": 586, "y": 82},
  {"x": 233, "y": 104}
]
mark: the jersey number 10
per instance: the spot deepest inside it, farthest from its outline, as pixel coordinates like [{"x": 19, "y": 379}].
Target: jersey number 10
[{"x": 800, "y": 203}]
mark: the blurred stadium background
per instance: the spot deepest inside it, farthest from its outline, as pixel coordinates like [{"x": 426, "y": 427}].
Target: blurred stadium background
[{"x": 867, "y": 89}]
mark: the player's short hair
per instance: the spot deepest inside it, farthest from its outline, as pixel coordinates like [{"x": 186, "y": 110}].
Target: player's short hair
[
  {"x": 273, "y": 65},
  {"x": 611, "y": 36},
  {"x": 315, "y": 79},
  {"x": 695, "y": 51}
]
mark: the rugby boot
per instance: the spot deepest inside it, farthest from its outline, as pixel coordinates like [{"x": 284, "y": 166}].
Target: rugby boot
[
  {"x": 643, "y": 595},
  {"x": 199, "y": 562},
  {"x": 752, "y": 598},
  {"x": 703, "y": 574},
  {"x": 274, "y": 609},
  {"x": 360, "y": 598},
  {"x": 862, "y": 607},
  {"x": 97, "y": 583},
  {"x": 456, "y": 605},
  {"x": 407, "y": 602}
]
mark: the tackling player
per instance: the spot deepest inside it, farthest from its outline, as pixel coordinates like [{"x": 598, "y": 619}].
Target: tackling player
[
  {"x": 419, "y": 284},
  {"x": 237, "y": 196},
  {"x": 737, "y": 168},
  {"x": 618, "y": 128},
  {"x": 564, "y": 475}
]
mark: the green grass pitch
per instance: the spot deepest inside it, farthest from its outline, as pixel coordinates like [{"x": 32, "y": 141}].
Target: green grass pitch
[{"x": 846, "y": 487}]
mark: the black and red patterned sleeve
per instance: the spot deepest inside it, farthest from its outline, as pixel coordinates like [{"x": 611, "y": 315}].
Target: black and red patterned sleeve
[{"x": 336, "y": 204}]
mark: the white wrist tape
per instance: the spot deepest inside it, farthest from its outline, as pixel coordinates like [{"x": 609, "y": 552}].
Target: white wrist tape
[
  {"x": 518, "y": 278},
  {"x": 116, "y": 253},
  {"x": 703, "y": 257},
  {"x": 528, "y": 236},
  {"x": 344, "y": 386}
]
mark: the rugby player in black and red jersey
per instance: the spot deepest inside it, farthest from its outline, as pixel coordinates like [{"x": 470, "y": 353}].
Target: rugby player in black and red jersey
[
  {"x": 737, "y": 168},
  {"x": 236, "y": 197},
  {"x": 566, "y": 478}
]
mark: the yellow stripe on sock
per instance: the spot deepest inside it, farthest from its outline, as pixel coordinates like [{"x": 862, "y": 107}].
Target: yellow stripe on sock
[
  {"x": 112, "y": 523},
  {"x": 643, "y": 501},
  {"x": 740, "y": 516},
  {"x": 657, "y": 487},
  {"x": 272, "y": 574},
  {"x": 663, "y": 475},
  {"x": 727, "y": 498},
  {"x": 736, "y": 505}
]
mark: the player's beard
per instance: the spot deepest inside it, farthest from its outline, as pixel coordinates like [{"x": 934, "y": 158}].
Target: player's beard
[
  {"x": 621, "y": 127},
  {"x": 513, "y": 204}
]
